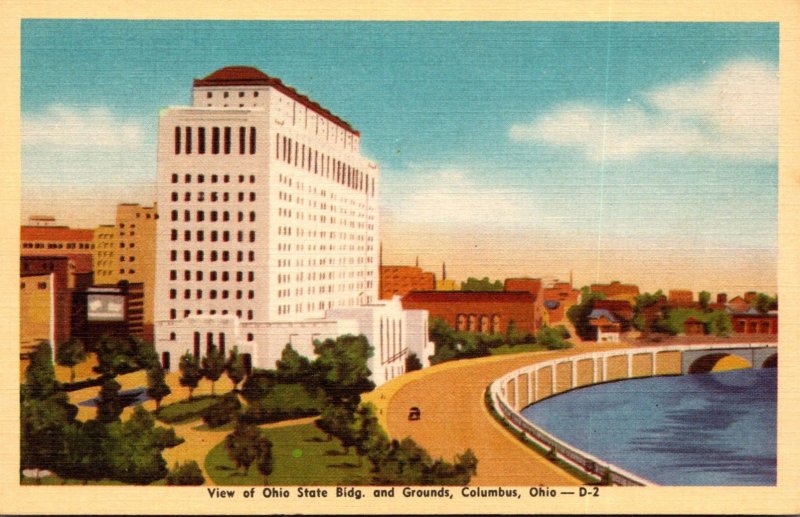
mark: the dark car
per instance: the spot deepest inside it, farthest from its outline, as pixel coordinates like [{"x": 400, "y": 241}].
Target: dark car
[{"x": 414, "y": 413}]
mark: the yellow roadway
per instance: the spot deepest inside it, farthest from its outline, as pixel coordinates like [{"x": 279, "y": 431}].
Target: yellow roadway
[{"x": 454, "y": 417}]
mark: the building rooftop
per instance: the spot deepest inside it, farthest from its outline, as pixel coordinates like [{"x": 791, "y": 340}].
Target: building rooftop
[
  {"x": 470, "y": 296},
  {"x": 602, "y": 313},
  {"x": 55, "y": 233},
  {"x": 251, "y": 76}
]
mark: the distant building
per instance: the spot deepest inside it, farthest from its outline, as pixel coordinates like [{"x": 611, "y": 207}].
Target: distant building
[
  {"x": 681, "y": 298},
  {"x": 558, "y": 298},
  {"x": 399, "y": 280},
  {"x": 45, "y": 301},
  {"x": 752, "y": 321},
  {"x": 607, "y": 326},
  {"x": 55, "y": 240},
  {"x": 533, "y": 286},
  {"x": 693, "y": 327},
  {"x": 622, "y": 311},
  {"x": 738, "y": 305},
  {"x": 104, "y": 258},
  {"x": 108, "y": 310},
  {"x": 617, "y": 291},
  {"x": 446, "y": 284},
  {"x": 36, "y": 310},
  {"x": 486, "y": 312},
  {"x": 136, "y": 254}
]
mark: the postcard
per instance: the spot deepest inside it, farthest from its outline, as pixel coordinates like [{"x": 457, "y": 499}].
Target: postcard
[{"x": 465, "y": 261}]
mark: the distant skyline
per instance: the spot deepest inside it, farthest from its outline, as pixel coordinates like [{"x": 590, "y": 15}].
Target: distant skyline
[{"x": 644, "y": 152}]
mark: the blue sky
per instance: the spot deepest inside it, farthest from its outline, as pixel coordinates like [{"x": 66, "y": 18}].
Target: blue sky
[{"x": 645, "y": 152}]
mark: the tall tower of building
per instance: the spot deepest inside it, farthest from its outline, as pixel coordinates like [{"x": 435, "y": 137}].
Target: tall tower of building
[{"x": 268, "y": 217}]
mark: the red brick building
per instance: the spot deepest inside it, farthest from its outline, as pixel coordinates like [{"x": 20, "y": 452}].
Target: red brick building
[
  {"x": 754, "y": 322},
  {"x": 487, "y": 312},
  {"x": 681, "y": 298},
  {"x": 693, "y": 327},
  {"x": 400, "y": 280},
  {"x": 533, "y": 286},
  {"x": 557, "y": 299},
  {"x": 617, "y": 291}
]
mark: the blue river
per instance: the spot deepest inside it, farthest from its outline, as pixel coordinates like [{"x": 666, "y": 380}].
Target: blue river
[{"x": 704, "y": 429}]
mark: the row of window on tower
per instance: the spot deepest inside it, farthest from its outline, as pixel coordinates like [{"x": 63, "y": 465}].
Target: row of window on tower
[
  {"x": 212, "y": 294},
  {"x": 305, "y": 157},
  {"x": 214, "y": 235},
  {"x": 214, "y": 216},
  {"x": 214, "y": 196},
  {"x": 214, "y": 178},
  {"x": 214, "y": 255},
  {"x": 223, "y": 276},
  {"x": 173, "y": 313},
  {"x": 220, "y": 141}
]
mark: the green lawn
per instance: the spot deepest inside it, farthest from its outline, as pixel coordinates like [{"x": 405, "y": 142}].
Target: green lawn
[
  {"x": 517, "y": 349},
  {"x": 302, "y": 456}
]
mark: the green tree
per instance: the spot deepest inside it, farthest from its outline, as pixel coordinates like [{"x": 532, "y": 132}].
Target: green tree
[
  {"x": 109, "y": 403},
  {"x": 213, "y": 365},
  {"x": 40, "y": 375},
  {"x": 84, "y": 455},
  {"x": 718, "y": 323},
  {"x": 234, "y": 367},
  {"x": 265, "y": 461},
  {"x": 338, "y": 420},
  {"x": 186, "y": 474},
  {"x": 764, "y": 303},
  {"x": 704, "y": 298},
  {"x": 222, "y": 411},
  {"x": 190, "y": 373},
  {"x": 413, "y": 363},
  {"x": 44, "y": 427},
  {"x": 343, "y": 367},
  {"x": 242, "y": 444},
  {"x": 70, "y": 353},
  {"x": 134, "y": 449},
  {"x": 579, "y": 314},
  {"x": 259, "y": 384},
  {"x": 157, "y": 387},
  {"x": 368, "y": 432},
  {"x": 292, "y": 367},
  {"x": 484, "y": 284}
]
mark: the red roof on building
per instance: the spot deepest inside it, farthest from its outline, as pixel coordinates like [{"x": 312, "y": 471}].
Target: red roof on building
[
  {"x": 251, "y": 76},
  {"x": 469, "y": 296},
  {"x": 55, "y": 233},
  {"x": 612, "y": 305}
]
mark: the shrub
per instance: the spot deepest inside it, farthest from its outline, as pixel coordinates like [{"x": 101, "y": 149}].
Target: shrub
[
  {"x": 185, "y": 410},
  {"x": 188, "y": 473},
  {"x": 222, "y": 411}
]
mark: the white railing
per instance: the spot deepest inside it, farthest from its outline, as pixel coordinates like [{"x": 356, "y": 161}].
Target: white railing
[{"x": 583, "y": 460}]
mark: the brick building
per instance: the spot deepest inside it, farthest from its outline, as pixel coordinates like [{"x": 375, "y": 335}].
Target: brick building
[
  {"x": 755, "y": 322},
  {"x": 45, "y": 301},
  {"x": 487, "y": 312},
  {"x": 400, "y": 280},
  {"x": 617, "y": 291},
  {"x": 557, "y": 299}
]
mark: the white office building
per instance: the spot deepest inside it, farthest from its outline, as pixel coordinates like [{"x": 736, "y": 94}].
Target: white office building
[{"x": 268, "y": 229}]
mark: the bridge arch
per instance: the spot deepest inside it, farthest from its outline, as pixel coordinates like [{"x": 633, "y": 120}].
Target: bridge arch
[
  {"x": 771, "y": 361},
  {"x": 707, "y": 362}
]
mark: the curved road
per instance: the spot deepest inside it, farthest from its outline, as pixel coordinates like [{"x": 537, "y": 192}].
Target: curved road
[{"x": 454, "y": 418}]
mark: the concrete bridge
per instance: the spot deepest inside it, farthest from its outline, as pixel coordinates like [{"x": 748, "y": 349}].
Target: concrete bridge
[{"x": 541, "y": 380}]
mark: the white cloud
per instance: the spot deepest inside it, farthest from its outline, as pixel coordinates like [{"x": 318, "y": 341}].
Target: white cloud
[
  {"x": 732, "y": 112},
  {"x": 449, "y": 197},
  {"x": 67, "y": 126}
]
